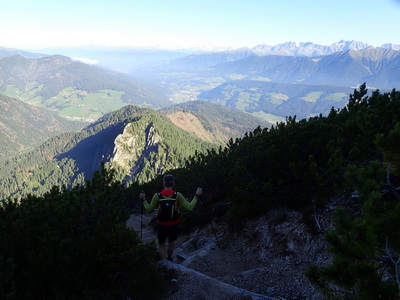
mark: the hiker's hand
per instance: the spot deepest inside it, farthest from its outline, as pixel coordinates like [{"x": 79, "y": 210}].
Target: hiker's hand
[
  {"x": 199, "y": 192},
  {"x": 142, "y": 195}
]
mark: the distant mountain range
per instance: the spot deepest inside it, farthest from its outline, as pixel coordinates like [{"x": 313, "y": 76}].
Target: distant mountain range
[
  {"x": 126, "y": 60},
  {"x": 311, "y": 49},
  {"x": 250, "y": 79},
  {"x": 299, "y": 54},
  {"x": 279, "y": 85},
  {"x": 377, "y": 66}
]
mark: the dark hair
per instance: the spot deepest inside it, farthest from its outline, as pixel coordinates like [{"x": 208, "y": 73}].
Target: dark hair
[{"x": 168, "y": 180}]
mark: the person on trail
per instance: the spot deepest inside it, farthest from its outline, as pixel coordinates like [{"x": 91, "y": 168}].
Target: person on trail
[{"x": 169, "y": 203}]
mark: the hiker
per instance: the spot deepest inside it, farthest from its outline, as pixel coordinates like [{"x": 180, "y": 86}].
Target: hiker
[{"x": 169, "y": 203}]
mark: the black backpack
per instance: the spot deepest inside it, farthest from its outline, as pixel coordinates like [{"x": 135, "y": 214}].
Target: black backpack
[{"x": 168, "y": 208}]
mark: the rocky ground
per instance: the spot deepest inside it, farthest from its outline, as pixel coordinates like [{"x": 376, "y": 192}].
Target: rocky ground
[{"x": 266, "y": 259}]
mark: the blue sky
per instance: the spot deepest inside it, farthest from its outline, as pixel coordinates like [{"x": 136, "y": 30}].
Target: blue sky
[{"x": 27, "y": 24}]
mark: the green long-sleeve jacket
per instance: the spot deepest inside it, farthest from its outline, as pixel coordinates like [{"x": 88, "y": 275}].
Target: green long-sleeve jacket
[{"x": 180, "y": 199}]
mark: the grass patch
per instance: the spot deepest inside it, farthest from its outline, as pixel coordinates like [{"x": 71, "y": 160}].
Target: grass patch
[
  {"x": 337, "y": 97},
  {"x": 312, "y": 97},
  {"x": 268, "y": 117},
  {"x": 276, "y": 98},
  {"x": 236, "y": 76}
]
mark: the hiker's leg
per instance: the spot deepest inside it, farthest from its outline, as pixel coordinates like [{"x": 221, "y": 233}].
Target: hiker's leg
[
  {"x": 162, "y": 236},
  {"x": 171, "y": 247},
  {"x": 161, "y": 251},
  {"x": 173, "y": 235}
]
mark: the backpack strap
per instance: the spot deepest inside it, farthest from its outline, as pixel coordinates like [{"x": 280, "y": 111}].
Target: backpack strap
[{"x": 168, "y": 209}]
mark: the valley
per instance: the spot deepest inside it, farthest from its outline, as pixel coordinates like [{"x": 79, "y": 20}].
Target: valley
[{"x": 204, "y": 98}]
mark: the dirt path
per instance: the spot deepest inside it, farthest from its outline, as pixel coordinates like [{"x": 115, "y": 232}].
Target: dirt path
[{"x": 252, "y": 264}]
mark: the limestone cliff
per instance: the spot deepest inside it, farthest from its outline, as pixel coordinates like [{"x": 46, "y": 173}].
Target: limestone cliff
[{"x": 150, "y": 146}]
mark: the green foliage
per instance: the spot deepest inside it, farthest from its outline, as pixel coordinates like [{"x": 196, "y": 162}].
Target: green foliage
[
  {"x": 389, "y": 145},
  {"x": 73, "y": 245},
  {"x": 24, "y": 126},
  {"x": 295, "y": 164},
  {"x": 68, "y": 159},
  {"x": 365, "y": 243}
]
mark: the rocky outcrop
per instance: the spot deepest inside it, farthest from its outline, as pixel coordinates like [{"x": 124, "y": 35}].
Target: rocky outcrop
[{"x": 134, "y": 146}]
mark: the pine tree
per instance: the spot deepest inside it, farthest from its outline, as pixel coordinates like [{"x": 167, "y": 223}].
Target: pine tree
[
  {"x": 74, "y": 244},
  {"x": 365, "y": 243}
]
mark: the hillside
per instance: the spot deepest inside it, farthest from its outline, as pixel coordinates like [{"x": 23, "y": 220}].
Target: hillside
[
  {"x": 24, "y": 126},
  {"x": 7, "y": 52},
  {"x": 212, "y": 122},
  {"x": 269, "y": 98},
  {"x": 137, "y": 142},
  {"x": 73, "y": 89}
]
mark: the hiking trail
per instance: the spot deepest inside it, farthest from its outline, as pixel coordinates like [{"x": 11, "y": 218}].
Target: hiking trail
[{"x": 265, "y": 260}]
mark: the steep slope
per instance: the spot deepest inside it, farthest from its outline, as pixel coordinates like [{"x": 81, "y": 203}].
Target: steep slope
[
  {"x": 212, "y": 122},
  {"x": 137, "y": 142},
  {"x": 378, "y": 67},
  {"x": 74, "y": 89},
  {"x": 23, "y": 126}
]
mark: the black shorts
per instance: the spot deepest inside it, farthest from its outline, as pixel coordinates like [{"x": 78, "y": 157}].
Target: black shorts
[{"x": 167, "y": 231}]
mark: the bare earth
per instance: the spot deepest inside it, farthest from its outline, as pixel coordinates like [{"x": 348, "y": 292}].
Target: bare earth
[{"x": 264, "y": 260}]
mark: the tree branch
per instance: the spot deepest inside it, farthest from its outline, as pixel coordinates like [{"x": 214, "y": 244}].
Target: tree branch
[{"x": 395, "y": 263}]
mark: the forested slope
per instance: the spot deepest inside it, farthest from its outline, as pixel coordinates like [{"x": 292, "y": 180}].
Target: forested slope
[
  {"x": 23, "y": 126},
  {"x": 212, "y": 122},
  {"x": 73, "y": 89},
  {"x": 71, "y": 158}
]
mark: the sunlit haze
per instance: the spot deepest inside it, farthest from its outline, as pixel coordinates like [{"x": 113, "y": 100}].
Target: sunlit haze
[{"x": 40, "y": 24}]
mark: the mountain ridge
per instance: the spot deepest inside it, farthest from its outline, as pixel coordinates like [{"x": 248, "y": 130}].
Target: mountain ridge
[
  {"x": 72, "y": 88},
  {"x": 127, "y": 59},
  {"x": 309, "y": 49},
  {"x": 138, "y": 143},
  {"x": 212, "y": 122}
]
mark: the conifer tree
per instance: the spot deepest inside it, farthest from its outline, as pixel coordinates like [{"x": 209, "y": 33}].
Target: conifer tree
[
  {"x": 74, "y": 245},
  {"x": 365, "y": 242}
]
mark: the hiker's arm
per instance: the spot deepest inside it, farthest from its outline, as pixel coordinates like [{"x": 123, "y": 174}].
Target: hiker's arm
[
  {"x": 190, "y": 205},
  {"x": 149, "y": 207}
]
